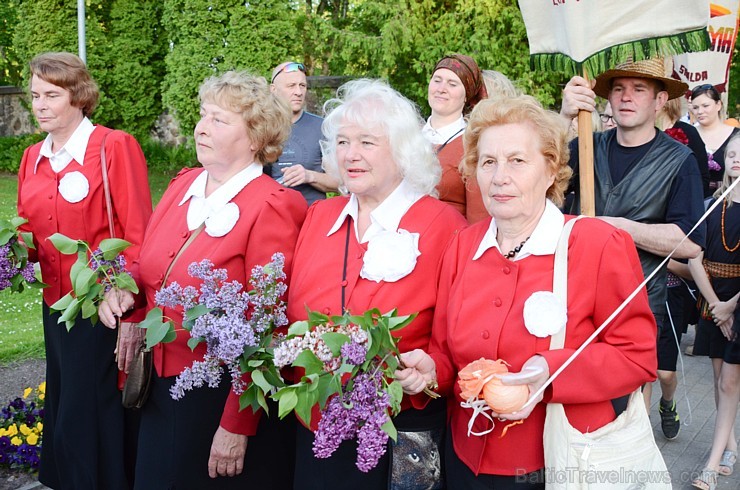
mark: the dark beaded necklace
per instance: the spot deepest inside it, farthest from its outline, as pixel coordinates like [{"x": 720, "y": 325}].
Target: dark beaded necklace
[{"x": 517, "y": 249}]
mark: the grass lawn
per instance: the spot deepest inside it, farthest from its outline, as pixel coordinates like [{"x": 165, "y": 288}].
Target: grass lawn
[{"x": 21, "y": 332}]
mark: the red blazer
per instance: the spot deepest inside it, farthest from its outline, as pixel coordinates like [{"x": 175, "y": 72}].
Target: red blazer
[
  {"x": 319, "y": 259},
  {"x": 480, "y": 314},
  {"x": 47, "y": 212},
  {"x": 269, "y": 220},
  {"x": 463, "y": 196}
]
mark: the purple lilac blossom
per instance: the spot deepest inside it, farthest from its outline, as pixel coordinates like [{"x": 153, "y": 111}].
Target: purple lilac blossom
[
  {"x": 354, "y": 353},
  {"x": 10, "y": 266}
]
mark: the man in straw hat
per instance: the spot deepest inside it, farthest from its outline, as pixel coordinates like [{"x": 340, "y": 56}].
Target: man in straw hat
[{"x": 647, "y": 184}]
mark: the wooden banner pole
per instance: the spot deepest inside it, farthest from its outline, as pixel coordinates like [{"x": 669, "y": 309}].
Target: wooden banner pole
[{"x": 586, "y": 161}]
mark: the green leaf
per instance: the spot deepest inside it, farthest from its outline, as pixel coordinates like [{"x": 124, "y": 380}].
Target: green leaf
[
  {"x": 17, "y": 221},
  {"x": 27, "y": 238},
  {"x": 398, "y": 322},
  {"x": 309, "y": 362},
  {"x": 83, "y": 281},
  {"x": 335, "y": 341},
  {"x": 62, "y": 303},
  {"x": 328, "y": 386},
  {"x": 88, "y": 308},
  {"x": 193, "y": 342},
  {"x": 6, "y": 235},
  {"x": 196, "y": 311},
  {"x": 390, "y": 429},
  {"x": 316, "y": 318},
  {"x": 305, "y": 404},
  {"x": 126, "y": 282},
  {"x": 64, "y": 244},
  {"x": 112, "y": 247},
  {"x": 395, "y": 393},
  {"x": 298, "y": 328},
  {"x": 156, "y": 329},
  {"x": 70, "y": 312},
  {"x": 21, "y": 253},
  {"x": 287, "y": 400},
  {"x": 259, "y": 379},
  {"x": 273, "y": 377}
]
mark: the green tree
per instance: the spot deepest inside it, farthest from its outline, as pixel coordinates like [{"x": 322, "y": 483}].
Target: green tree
[{"x": 10, "y": 67}]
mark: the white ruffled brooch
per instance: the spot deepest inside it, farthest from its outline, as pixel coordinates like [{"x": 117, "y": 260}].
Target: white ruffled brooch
[
  {"x": 74, "y": 187},
  {"x": 390, "y": 256},
  {"x": 223, "y": 221},
  {"x": 544, "y": 314}
]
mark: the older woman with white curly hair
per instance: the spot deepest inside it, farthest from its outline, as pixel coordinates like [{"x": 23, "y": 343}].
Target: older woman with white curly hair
[{"x": 379, "y": 247}]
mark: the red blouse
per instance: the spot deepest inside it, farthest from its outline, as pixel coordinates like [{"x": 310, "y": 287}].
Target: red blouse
[
  {"x": 463, "y": 196},
  {"x": 270, "y": 217},
  {"x": 480, "y": 314},
  {"x": 48, "y": 212},
  {"x": 319, "y": 260}
]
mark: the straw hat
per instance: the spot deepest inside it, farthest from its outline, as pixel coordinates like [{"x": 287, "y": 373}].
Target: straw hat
[{"x": 653, "y": 69}]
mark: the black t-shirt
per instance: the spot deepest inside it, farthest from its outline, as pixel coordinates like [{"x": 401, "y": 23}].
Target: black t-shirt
[{"x": 686, "y": 197}]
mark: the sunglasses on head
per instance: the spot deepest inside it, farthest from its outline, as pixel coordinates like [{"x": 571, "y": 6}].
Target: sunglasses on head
[
  {"x": 289, "y": 68},
  {"x": 704, "y": 88}
]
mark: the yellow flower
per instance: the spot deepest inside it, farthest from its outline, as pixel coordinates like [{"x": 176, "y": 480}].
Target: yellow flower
[
  {"x": 25, "y": 430},
  {"x": 27, "y": 392},
  {"x": 42, "y": 387},
  {"x": 3, "y": 432},
  {"x": 41, "y": 396},
  {"x": 12, "y": 430},
  {"x": 32, "y": 439},
  {"x": 39, "y": 426},
  {"x": 16, "y": 441}
]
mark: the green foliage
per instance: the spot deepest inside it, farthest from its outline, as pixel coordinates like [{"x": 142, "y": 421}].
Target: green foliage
[
  {"x": 11, "y": 150},
  {"x": 10, "y": 67}
]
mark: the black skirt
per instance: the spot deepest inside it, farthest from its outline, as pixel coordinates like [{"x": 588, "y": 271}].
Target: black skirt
[
  {"x": 339, "y": 472},
  {"x": 83, "y": 443},
  {"x": 176, "y": 435}
]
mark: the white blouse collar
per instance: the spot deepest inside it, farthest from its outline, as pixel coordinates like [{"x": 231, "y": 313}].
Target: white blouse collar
[
  {"x": 544, "y": 238},
  {"x": 201, "y": 208},
  {"x": 73, "y": 149},
  {"x": 443, "y": 134},
  {"x": 386, "y": 217}
]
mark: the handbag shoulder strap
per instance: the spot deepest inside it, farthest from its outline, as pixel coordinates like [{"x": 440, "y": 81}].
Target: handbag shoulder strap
[
  {"x": 106, "y": 186},
  {"x": 560, "y": 278}
]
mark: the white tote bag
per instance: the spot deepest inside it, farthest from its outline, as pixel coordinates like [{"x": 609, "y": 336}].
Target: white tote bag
[{"x": 620, "y": 455}]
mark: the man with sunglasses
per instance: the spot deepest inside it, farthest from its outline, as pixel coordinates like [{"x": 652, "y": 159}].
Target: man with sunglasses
[
  {"x": 299, "y": 166},
  {"x": 647, "y": 184}
]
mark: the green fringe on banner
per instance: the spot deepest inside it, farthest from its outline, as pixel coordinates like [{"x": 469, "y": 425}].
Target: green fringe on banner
[{"x": 687, "y": 42}]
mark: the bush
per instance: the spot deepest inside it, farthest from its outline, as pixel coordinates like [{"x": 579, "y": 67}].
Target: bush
[{"x": 11, "y": 150}]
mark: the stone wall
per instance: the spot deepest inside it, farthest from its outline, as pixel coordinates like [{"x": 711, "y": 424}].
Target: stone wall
[{"x": 14, "y": 118}]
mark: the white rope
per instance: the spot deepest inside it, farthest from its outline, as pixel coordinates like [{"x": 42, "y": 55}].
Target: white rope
[
  {"x": 621, "y": 307},
  {"x": 683, "y": 371}
]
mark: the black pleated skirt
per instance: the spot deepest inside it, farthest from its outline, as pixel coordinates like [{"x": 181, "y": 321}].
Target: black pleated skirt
[
  {"x": 83, "y": 438},
  {"x": 175, "y": 442}
]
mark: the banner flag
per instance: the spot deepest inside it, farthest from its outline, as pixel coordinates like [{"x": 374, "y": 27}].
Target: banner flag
[
  {"x": 566, "y": 35},
  {"x": 712, "y": 66}
]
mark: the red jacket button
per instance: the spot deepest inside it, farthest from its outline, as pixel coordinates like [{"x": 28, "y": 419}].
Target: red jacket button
[
  {"x": 497, "y": 301},
  {"x": 485, "y": 334}
]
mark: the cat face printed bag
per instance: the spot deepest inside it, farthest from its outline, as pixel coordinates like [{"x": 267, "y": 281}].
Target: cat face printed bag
[{"x": 416, "y": 460}]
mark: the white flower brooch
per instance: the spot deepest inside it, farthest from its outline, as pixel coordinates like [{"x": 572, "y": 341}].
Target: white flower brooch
[
  {"x": 221, "y": 222},
  {"x": 74, "y": 187},
  {"x": 390, "y": 256},
  {"x": 544, "y": 314}
]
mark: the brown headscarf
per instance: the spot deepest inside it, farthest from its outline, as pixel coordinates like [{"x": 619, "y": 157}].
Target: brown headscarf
[{"x": 467, "y": 70}]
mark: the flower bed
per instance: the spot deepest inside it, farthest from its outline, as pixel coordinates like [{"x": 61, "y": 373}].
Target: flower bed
[{"x": 21, "y": 430}]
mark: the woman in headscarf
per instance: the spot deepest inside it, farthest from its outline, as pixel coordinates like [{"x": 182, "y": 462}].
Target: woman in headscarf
[{"x": 454, "y": 89}]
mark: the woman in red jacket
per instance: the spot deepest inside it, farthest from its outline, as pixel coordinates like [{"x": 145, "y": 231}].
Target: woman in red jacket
[
  {"x": 60, "y": 190},
  {"x": 379, "y": 248},
  {"x": 518, "y": 153},
  {"x": 230, "y": 213}
]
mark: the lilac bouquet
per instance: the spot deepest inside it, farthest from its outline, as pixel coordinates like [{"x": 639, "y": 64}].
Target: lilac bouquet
[
  {"x": 93, "y": 274},
  {"x": 16, "y": 272},
  {"x": 235, "y": 324},
  {"x": 349, "y": 363},
  {"x": 21, "y": 428}
]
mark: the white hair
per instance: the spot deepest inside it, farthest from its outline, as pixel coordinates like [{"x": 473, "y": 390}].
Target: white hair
[{"x": 373, "y": 104}]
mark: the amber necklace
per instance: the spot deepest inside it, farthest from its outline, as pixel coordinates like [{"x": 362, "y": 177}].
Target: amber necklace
[
  {"x": 724, "y": 242},
  {"x": 516, "y": 250}
]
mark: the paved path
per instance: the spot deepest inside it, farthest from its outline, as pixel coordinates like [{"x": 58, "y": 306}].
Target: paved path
[{"x": 686, "y": 455}]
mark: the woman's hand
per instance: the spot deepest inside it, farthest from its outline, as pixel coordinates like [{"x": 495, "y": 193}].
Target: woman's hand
[
  {"x": 130, "y": 338},
  {"x": 420, "y": 372},
  {"x": 115, "y": 303},
  {"x": 535, "y": 372},
  {"x": 227, "y": 453},
  {"x": 722, "y": 311},
  {"x": 726, "y": 328}
]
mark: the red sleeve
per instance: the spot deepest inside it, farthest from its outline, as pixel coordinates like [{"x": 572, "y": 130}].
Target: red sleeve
[
  {"x": 132, "y": 201},
  {"x": 623, "y": 356},
  {"x": 32, "y": 254},
  {"x": 275, "y": 230}
]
